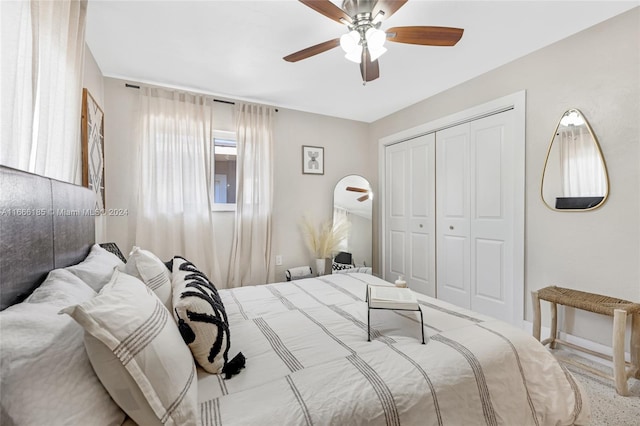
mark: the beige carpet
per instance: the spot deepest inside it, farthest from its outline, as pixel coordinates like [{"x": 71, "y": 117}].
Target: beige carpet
[{"x": 607, "y": 407}]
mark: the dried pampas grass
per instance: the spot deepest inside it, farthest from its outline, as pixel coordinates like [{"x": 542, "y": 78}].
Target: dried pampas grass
[{"x": 323, "y": 241}]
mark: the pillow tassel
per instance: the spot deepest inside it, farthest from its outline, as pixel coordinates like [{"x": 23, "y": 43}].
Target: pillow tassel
[{"x": 234, "y": 366}]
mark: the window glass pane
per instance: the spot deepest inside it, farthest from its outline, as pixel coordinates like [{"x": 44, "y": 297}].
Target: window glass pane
[{"x": 224, "y": 180}]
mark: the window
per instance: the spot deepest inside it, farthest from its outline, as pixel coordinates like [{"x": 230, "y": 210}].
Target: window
[{"x": 223, "y": 181}]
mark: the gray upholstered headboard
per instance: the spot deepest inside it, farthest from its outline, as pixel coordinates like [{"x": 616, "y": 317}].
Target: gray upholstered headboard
[{"x": 44, "y": 224}]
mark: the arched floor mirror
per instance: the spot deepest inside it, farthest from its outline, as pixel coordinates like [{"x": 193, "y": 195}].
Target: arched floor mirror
[{"x": 353, "y": 202}]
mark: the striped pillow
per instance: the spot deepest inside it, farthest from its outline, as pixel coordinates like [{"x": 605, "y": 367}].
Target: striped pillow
[
  {"x": 202, "y": 319},
  {"x": 146, "y": 266},
  {"x": 138, "y": 354}
]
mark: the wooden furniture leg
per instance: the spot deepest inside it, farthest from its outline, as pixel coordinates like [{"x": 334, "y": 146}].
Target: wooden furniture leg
[
  {"x": 554, "y": 325},
  {"x": 551, "y": 340},
  {"x": 421, "y": 323},
  {"x": 536, "y": 314},
  {"x": 635, "y": 344},
  {"x": 619, "y": 370},
  {"x": 368, "y": 325}
]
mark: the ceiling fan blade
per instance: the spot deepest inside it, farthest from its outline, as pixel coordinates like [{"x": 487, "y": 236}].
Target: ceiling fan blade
[
  {"x": 356, "y": 189},
  {"x": 328, "y": 9},
  {"x": 426, "y": 36},
  {"x": 389, "y": 7},
  {"x": 313, "y": 50},
  {"x": 365, "y": 197},
  {"x": 369, "y": 70}
]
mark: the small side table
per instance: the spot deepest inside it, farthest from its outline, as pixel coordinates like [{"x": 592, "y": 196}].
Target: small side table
[
  {"x": 605, "y": 305},
  {"x": 395, "y": 304}
]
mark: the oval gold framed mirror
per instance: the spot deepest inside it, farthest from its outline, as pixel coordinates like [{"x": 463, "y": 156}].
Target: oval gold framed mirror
[{"x": 575, "y": 174}]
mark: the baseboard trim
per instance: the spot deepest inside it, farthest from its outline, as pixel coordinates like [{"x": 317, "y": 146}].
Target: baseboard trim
[{"x": 594, "y": 346}]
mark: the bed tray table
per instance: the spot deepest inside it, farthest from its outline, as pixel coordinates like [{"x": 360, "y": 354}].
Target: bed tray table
[{"x": 391, "y": 298}]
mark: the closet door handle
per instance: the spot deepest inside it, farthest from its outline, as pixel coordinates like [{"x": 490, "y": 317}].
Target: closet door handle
[{"x": 451, "y": 227}]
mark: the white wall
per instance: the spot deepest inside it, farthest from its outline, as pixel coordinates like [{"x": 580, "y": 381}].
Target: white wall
[
  {"x": 344, "y": 142},
  {"x": 598, "y": 72},
  {"x": 119, "y": 152},
  {"x": 92, "y": 78},
  {"x": 345, "y": 152}
]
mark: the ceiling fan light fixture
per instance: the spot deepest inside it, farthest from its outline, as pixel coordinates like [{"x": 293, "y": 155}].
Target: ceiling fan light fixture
[
  {"x": 376, "y": 53},
  {"x": 350, "y": 41},
  {"x": 355, "y": 55},
  {"x": 375, "y": 38},
  {"x": 572, "y": 119}
]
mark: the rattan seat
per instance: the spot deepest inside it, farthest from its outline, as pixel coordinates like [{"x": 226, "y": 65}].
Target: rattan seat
[
  {"x": 619, "y": 309},
  {"x": 587, "y": 301}
]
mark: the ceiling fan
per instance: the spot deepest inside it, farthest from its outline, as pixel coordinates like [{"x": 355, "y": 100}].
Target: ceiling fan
[
  {"x": 365, "y": 197},
  {"x": 363, "y": 43}
]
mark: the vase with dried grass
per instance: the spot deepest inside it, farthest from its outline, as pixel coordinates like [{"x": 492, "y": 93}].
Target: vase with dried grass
[{"x": 325, "y": 240}]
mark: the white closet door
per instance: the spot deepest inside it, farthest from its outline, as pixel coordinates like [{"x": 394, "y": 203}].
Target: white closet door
[
  {"x": 453, "y": 215},
  {"x": 396, "y": 193},
  {"x": 475, "y": 215},
  {"x": 421, "y": 240},
  {"x": 410, "y": 213},
  {"x": 492, "y": 215}
]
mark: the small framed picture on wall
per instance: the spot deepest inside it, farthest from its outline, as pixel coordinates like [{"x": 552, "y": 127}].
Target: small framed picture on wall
[{"x": 312, "y": 160}]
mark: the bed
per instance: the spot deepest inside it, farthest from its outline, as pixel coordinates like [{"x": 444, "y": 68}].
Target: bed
[{"x": 308, "y": 361}]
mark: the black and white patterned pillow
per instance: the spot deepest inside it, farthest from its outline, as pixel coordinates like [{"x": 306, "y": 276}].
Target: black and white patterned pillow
[
  {"x": 340, "y": 266},
  {"x": 202, "y": 319},
  {"x": 113, "y": 248}
]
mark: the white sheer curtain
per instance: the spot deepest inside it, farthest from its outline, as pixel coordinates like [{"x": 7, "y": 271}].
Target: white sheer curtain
[
  {"x": 42, "y": 63},
  {"x": 250, "y": 261},
  {"x": 342, "y": 214},
  {"x": 581, "y": 165},
  {"x": 174, "y": 209}
]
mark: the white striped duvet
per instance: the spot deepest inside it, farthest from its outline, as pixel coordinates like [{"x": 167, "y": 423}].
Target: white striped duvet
[{"x": 309, "y": 363}]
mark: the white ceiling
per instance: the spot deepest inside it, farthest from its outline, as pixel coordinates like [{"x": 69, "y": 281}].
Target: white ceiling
[{"x": 234, "y": 49}]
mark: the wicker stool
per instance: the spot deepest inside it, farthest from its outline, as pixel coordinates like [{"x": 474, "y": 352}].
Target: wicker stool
[{"x": 616, "y": 308}]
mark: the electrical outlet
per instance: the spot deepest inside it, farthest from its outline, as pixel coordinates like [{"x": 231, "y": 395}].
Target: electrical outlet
[{"x": 278, "y": 259}]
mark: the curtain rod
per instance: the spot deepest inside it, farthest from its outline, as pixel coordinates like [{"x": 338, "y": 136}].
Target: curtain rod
[
  {"x": 224, "y": 102},
  {"x": 133, "y": 86}
]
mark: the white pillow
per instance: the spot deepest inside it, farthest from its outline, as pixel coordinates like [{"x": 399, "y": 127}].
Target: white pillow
[
  {"x": 152, "y": 271},
  {"x": 133, "y": 324},
  {"x": 97, "y": 268},
  {"x": 61, "y": 288},
  {"x": 47, "y": 378}
]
